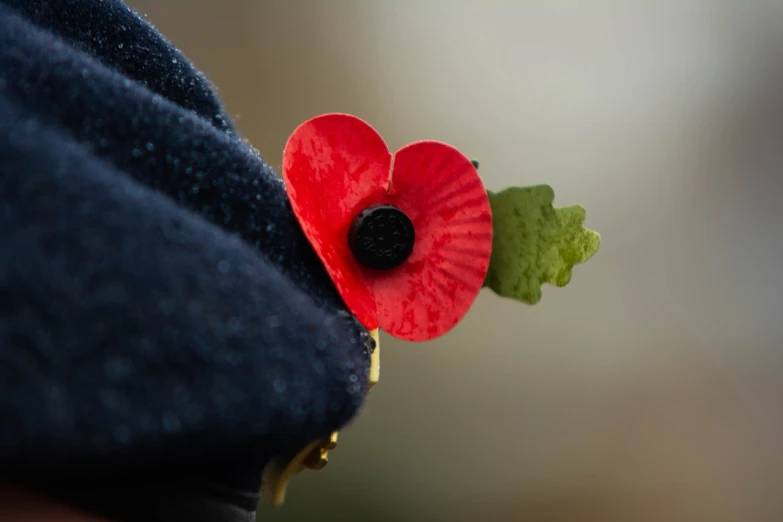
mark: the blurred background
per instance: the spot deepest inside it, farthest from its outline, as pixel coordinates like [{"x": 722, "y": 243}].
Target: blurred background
[{"x": 650, "y": 388}]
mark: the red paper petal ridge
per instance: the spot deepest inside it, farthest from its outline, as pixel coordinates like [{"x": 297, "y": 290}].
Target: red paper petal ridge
[
  {"x": 334, "y": 166},
  {"x": 441, "y": 192}
]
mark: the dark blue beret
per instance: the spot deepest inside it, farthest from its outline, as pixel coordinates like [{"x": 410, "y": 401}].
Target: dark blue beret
[{"x": 165, "y": 327}]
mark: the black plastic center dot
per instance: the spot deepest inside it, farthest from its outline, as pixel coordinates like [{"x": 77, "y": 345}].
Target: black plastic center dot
[{"x": 381, "y": 237}]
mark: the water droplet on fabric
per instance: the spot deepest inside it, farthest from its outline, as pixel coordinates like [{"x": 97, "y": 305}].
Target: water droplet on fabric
[
  {"x": 118, "y": 368},
  {"x": 234, "y": 357},
  {"x": 273, "y": 321},
  {"x": 121, "y": 434},
  {"x": 171, "y": 423}
]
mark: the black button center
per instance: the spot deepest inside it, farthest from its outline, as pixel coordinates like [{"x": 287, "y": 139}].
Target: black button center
[{"x": 381, "y": 237}]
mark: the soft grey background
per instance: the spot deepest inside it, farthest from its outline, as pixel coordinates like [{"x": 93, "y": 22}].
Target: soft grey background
[{"x": 649, "y": 389}]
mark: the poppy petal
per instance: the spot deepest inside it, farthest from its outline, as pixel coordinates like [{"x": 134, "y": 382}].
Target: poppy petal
[
  {"x": 335, "y": 165},
  {"x": 441, "y": 192}
]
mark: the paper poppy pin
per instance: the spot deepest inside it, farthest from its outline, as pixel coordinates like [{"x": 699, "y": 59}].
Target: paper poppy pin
[
  {"x": 406, "y": 237},
  {"x": 409, "y": 238}
]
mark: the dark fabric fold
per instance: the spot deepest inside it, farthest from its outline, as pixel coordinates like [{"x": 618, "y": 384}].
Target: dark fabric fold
[{"x": 161, "y": 311}]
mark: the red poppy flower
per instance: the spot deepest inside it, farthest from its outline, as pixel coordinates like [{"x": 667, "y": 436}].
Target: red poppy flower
[{"x": 406, "y": 237}]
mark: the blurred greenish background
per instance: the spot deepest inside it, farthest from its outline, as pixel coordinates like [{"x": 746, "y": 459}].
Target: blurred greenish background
[{"x": 649, "y": 389}]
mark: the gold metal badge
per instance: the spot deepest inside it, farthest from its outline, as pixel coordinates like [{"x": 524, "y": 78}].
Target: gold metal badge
[{"x": 315, "y": 455}]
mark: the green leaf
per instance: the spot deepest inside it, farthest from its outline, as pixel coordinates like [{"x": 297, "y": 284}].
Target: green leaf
[{"x": 534, "y": 243}]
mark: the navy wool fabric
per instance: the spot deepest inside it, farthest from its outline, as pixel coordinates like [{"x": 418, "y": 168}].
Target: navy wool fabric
[{"x": 159, "y": 304}]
